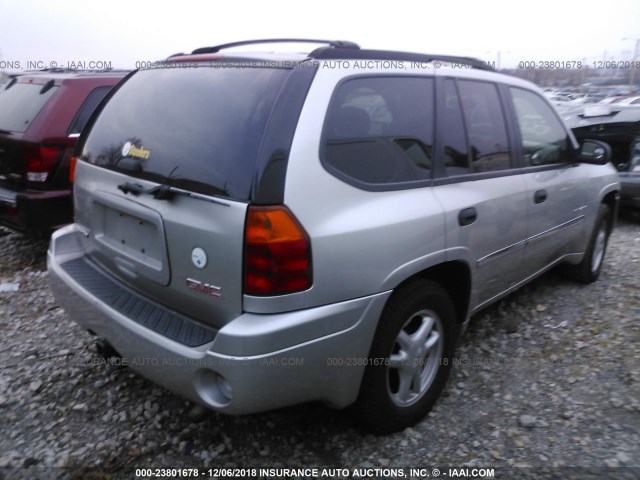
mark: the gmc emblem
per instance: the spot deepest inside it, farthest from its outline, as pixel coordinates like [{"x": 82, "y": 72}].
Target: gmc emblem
[{"x": 205, "y": 288}]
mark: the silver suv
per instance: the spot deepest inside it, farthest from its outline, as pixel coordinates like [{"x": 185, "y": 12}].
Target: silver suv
[{"x": 260, "y": 230}]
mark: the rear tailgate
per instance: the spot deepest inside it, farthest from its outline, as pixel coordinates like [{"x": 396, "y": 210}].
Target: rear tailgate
[
  {"x": 197, "y": 132},
  {"x": 185, "y": 253}
]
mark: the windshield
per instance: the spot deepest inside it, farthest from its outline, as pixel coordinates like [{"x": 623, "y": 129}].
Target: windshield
[{"x": 194, "y": 128}]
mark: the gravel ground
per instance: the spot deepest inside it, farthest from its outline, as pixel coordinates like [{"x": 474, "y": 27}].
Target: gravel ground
[{"x": 547, "y": 378}]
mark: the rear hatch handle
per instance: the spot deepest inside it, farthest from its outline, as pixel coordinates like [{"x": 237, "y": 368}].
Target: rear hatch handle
[
  {"x": 132, "y": 188},
  {"x": 163, "y": 192}
]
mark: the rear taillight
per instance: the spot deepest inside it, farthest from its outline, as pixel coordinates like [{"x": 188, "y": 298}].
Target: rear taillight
[
  {"x": 40, "y": 160},
  {"x": 277, "y": 253},
  {"x": 72, "y": 168}
]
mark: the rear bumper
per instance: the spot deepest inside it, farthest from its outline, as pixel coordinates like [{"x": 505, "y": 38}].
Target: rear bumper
[
  {"x": 35, "y": 211},
  {"x": 254, "y": 363}
]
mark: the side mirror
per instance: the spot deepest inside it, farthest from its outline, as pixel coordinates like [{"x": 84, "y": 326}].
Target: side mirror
[
  {"x": 594, "y": 151},
  {"x": 622, "y": 167}
]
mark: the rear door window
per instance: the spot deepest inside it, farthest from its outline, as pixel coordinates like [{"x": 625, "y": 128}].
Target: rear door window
[
  {"x": 20, "y": 103},
  {"x": 485, "y": 126},
  {"x": 454, "y": 139},
  {"x": 379, "y": 131},
  {"x": 198, "y": 129}
]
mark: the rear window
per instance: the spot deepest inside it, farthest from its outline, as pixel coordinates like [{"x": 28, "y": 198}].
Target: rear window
[
  {"x": 194, "y": 128},
  {"x": 20, "y": 103}
]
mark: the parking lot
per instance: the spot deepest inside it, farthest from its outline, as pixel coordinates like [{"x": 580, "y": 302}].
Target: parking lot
[{"x": 547, "y": 378}]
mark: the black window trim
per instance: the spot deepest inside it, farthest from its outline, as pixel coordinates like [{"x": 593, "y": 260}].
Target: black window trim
[
  {"x": 471, "y": 177},
  {"x": 72, "y": 124},
  {"x": 273, "y": 154},
  {"x": 377, "y": 187}
]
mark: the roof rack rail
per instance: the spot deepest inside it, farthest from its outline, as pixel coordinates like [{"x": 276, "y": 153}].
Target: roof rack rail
[
  {"x": 339, "y": 54},
  {"x": 331, "y": 43},
  {"x": 49, "y": 70},
  {"x": 74, "y": 70}
]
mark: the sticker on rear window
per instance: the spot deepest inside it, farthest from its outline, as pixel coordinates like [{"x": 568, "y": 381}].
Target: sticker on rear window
[{"x": 130, "y": 150}]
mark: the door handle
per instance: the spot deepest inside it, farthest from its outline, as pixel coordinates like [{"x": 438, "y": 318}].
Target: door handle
[
  {"x": 540, "y": 196},
  {"x": 467, "y": 216}
]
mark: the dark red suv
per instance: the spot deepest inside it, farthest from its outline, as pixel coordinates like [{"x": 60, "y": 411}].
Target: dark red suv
[{"x": 41, "y": 117}]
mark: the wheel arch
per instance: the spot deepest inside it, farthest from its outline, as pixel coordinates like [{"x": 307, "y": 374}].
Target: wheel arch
[
  {"x": 454, "y": 277},
  {"x": 384, "y": 405}
]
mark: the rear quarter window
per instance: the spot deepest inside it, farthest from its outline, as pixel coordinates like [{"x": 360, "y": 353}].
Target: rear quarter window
[
  {"x": 194, "y": 128},
  {"x": 378, "y": 132}
]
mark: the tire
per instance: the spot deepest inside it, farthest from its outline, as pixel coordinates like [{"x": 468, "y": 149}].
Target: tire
[
  {"x": 588, "y": 270},
  {"x": 410, "y": 358}
]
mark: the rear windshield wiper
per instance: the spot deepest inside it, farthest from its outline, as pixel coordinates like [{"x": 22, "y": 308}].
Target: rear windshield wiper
[
  {"x": 163, "y": 192},
  {"x": 166, "y": 192}
]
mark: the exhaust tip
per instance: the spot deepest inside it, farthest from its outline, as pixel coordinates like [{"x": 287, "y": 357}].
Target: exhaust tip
[{"x": 105, "y": 350}]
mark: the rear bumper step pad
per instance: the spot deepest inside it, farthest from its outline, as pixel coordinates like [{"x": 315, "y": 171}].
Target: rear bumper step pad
[{"x": 138, "y": 309}]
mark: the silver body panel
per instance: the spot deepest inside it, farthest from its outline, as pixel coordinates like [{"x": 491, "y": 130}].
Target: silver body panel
[{"x": 364, "y": 245}]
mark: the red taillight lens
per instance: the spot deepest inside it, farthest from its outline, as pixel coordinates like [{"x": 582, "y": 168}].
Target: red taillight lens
[
  {"x": 72, "y": 168},
  {"x": 277, "y": 253},
  {"x": 40, "y": 160}
]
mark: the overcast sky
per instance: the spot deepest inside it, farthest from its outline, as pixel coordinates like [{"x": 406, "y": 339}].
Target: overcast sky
[{"x": 123, "y": 32}]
